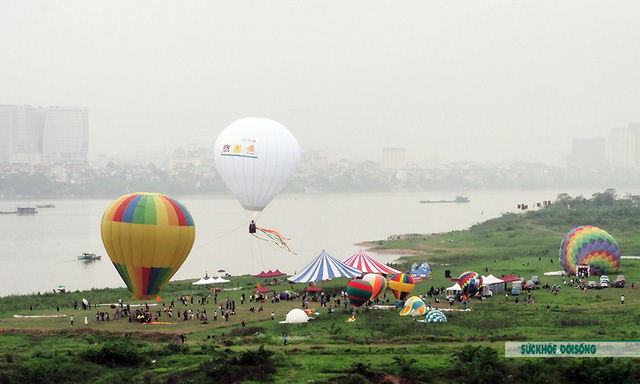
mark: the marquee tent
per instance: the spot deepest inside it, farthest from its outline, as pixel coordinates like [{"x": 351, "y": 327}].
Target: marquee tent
[
  {"x": 313, "y": 288},
  {"x": 219, "y": 280},
  {"x": 202, "y": 281},
  {"x": 324, "y": 267},
  {"x": 270, "y": 273},
  {"x": 454, "y": 288},
  {"x": 509, "y": 279},
  {"x": 368, "y": 264},
  {"x": 262, "y": 290},
  {"x": 493, "y": 283}
]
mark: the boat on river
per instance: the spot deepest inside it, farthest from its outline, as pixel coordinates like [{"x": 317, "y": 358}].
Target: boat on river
[
  {"x": 86, "y": 256},
  {"x": 21, "y": 211},
  {"x": 458, "y": 199}
]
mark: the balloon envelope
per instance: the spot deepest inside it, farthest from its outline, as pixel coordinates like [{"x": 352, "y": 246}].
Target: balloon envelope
[
  {"x": 359, "y": 292},
  {"x": 401, "y": 285},
  {"x": 256, "y": 158},
  {"x": 414, "y": 306},
  {"x": 378, "y": 283},
  {"x": 147, "y": 236},
  {"x": 591, "y": 246},
  {"x": 470, "y": 282},
  {"x": 435, "y": 316}
]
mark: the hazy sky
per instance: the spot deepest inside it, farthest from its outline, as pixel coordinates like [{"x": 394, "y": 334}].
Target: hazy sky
[{"x": 459, "y": 80}]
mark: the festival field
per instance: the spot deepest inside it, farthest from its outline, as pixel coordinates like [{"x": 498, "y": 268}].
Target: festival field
[{"x": 379, "y": 346}]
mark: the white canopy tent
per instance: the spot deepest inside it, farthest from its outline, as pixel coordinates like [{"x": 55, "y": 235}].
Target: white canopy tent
[
  {"x": 202, "y": 281},
  {"x": 452, "y": 290},
  {"x": 492, "y": 283},
  {"x": 219, "y": 280}
]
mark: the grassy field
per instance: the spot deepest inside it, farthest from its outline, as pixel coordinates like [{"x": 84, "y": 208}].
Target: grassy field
[{"x": 380, "y": 346}]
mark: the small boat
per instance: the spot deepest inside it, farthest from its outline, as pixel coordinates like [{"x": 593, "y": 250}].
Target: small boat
[
  {"x": 48, "y": 205},
  {"x": 21, "y": 211},
  {"x": 458, "y": 199},
  {"x": 26, "y": 210},
  {"x": 89, "y": 256}
]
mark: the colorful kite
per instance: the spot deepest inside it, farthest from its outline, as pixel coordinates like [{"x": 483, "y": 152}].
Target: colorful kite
[
  {"x": 592, "y": 246},
  {"x": 274, "y": 237}
]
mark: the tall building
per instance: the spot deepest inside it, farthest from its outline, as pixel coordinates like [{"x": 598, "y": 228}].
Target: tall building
[
  {"x": 588, "y": 150},
  {"x": 65, "y": 138},
  {"x": 394, "y": 159},
  {"x": 623, "y": 147},
  {"x": 47, "y": 135},
  {"x": 314, "y": 159},
  {"x": 20, "y": 133}
]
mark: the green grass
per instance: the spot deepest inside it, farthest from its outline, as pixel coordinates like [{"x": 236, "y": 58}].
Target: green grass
[{"x": 468, "y": 348}]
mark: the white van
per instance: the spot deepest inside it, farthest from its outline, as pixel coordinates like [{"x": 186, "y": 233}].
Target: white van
[{"x": 604, "y": 281}]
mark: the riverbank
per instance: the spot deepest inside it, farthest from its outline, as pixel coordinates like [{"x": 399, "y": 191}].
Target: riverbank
[{"x": 331, "y": 348}]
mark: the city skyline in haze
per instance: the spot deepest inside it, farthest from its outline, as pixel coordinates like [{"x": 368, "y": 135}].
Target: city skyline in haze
[{"x": 489, "y": 82}]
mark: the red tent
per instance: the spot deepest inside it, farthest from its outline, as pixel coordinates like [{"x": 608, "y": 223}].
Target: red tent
[
  {"x": 312, "y": 288},
  {"x": 509, "y": 279},
  {"x": 262, "y": 290},
  {"x": 270, "y": 274}
]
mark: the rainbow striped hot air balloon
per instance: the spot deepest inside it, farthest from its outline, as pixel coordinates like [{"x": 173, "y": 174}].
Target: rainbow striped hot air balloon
[
  {"x": 147, "y": 236},
  {"x": 590, "y": 246},
  {"x": 470, "y": 282},
  {"x": 378, "y": 283},
  {"x": 401, "y": 285},
  {"x": 359, "y": 292},
  {"x": 414, "y": 306}
]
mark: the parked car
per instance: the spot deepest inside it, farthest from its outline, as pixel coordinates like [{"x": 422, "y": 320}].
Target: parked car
[
  {"x": 593, "y": 285},
  {"x": 536, "y": 280},
  {"x": 604, "y": 281},
  {"x": 617, "y": 284},
  {"x": 621, "y": 278}
]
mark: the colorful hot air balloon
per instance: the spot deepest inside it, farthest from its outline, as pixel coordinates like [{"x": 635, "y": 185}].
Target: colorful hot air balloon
[
  {"x": 470, "y": 283},
  {"x": 590, "y": 246},
  {"x": 359, "y": 292},
  {"x": 288, "y": 295},
  {"x": 256, "y": 158},
  {"x": 378, "y": 283},
  {"x": 435, "y": 316},
  {"x": 401, "y": 285},
  {"x": 414, "y": 306},
  {"x": 147, "y": 236}
]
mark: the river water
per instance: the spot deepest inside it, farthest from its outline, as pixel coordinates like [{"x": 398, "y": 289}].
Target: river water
[{"x": 38, "y": 253}]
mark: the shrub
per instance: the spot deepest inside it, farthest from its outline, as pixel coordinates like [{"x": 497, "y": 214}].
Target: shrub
[{"x": 123, "y": 352}]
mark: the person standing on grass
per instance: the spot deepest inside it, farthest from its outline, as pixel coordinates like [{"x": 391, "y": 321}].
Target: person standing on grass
[
  {"x": 71, "y": 320},
  {"x": 622, "y": 299},
  {"x": 285, "y": 339}
]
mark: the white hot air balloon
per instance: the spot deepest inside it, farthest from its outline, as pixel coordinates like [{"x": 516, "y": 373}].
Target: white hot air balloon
[{"x": 256, "y": 158}]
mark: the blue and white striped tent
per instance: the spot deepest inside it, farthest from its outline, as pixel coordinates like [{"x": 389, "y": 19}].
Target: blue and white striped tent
[{"x": 324, "y": 267}]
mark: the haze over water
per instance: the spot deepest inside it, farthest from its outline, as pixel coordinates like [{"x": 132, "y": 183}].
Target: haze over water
[{"x": 40, "y": 252}]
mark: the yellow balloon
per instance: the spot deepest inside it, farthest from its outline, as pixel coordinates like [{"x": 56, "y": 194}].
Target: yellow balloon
[{"x": 147, "y": 236}]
